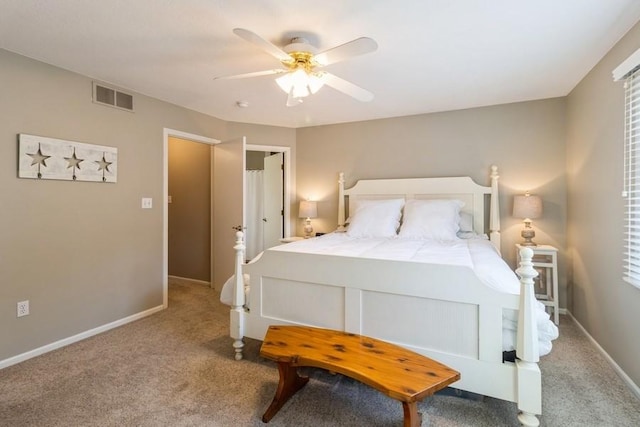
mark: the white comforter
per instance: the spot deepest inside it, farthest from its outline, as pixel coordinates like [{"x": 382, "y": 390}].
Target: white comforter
[{"x": 476, "y": 253}]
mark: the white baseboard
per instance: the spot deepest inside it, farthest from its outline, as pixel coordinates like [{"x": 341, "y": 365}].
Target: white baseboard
[
  {"x": 188, "y": 281},
  {"x": 75, "y": 338},
  {"x": 627, "y": 380}
]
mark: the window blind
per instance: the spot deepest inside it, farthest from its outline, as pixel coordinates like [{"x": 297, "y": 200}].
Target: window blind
[{"x": 632, "y": 177}]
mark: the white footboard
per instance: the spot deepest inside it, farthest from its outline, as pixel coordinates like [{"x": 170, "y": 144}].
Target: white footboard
[
  {"x": 443, "y": 312},
  {"x": 529, "y": 378},
  {"x": 237, "y": 307}
]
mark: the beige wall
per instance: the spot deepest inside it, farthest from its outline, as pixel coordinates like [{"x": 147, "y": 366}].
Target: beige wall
[
  {"x": 84, "y": 254},
  {"x": 525, "y": 140},
  {"x": 190, "y": 209},
  {"x": 603, "y": 303},
  {"x": 255, "y": 160}
]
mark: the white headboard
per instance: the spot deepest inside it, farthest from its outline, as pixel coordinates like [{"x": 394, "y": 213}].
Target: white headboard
[{"x": 461, "y": 188}]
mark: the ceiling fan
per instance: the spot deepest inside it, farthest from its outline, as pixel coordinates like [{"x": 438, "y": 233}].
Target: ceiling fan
[{"x": 301, "y": 62}]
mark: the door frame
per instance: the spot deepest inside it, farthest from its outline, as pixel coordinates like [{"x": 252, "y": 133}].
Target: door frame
[
  {"x": 286, "y": 201},
  {"x": 167, "y": 133}
]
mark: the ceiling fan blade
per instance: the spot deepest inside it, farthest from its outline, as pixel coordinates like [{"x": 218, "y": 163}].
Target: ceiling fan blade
[
  {"x": 346, "y": 87},
  {"x": 345, "y": 51},
  {"x": 254, "y": 74},
  {"x": 263, "y": 44}
]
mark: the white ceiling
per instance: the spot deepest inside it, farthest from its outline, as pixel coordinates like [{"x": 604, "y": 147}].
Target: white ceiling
[{"x": 433, "y": 55}]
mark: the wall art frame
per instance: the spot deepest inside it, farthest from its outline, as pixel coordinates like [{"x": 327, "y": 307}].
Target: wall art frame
[{"x": 41, "y": 157}]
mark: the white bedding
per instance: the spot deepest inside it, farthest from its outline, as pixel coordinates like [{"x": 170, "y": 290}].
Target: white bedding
[{"x": 476, "y": 253}]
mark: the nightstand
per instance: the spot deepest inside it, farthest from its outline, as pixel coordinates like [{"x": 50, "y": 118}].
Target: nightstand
[
  {"x": 291, "y": 239},
  {"x": 545, "y": 261}
]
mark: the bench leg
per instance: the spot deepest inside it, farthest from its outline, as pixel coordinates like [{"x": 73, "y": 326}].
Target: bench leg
[
  {"x": 290, "y": 383},
  {"x": 412, "y": 418}
]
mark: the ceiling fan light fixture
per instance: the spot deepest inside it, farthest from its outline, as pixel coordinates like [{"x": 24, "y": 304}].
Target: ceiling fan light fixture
[
  {"x": 285, "y": 82},
  {"x": 292, "y": 101},
  {"x": 316, "y": 82},
  {"x": 300, "y": 80},
  {"x": 299, "y": 84},
  {"x": 300, "y": 92}
]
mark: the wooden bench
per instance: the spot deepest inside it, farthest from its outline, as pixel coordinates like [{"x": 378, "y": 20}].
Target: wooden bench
[{"x": 397, "y": 372}]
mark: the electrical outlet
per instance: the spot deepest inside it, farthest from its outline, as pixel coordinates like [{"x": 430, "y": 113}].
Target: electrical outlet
[
  {"x": 147, "y": 203},
  {"x": 23, "y": 308}
]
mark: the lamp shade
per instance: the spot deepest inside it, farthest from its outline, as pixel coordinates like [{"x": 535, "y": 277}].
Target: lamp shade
[
  {"x": 527, "y": 206},
  {"x": 308, "y": 209}
]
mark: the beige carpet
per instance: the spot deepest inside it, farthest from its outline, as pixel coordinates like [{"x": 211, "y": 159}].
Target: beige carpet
[{"x": 176, "y": 368}]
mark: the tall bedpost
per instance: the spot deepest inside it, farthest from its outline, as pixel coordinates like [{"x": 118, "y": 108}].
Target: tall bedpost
[
  {"x": 341, "y": 202},
  {"x": 237, "y": 306},
  {"x": 494, "y": 219},
  {"x": 529, "y": 377}
]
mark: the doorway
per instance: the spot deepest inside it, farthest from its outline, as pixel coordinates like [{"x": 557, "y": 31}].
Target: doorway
[
  {"x": 264, "y": 201},
  {"x": 168, "y": 133},
  {"x": 189, "y": 211},
  {"x": 229, "y": 205},
  {"x": 268, "y": 151}
]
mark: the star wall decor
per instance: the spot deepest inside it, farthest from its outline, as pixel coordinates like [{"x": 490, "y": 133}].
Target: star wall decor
[
  {"x": 49, "y": 158},
  {"x": 103, "y": 165},
  {"x": 39, "y": 159},
  {"x": 73, "y": 162}
]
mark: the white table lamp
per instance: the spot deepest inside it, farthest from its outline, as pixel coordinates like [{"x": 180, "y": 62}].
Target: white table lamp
[
  {"x": 527, "y": 207},
  {"x": 308, "y": 210}
]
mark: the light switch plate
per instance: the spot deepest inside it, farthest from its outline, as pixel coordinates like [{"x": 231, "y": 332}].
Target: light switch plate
[{"x": 147, "y": 203}]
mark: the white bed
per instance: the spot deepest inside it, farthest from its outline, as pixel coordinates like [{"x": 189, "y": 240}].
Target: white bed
[{"x": 400, "y": 290}]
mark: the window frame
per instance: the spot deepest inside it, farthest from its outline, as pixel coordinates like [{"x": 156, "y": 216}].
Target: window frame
[{"x": 629, "y": 72}]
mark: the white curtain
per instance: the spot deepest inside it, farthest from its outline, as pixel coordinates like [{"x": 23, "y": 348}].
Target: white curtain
[{"x": 255, "y": 212}]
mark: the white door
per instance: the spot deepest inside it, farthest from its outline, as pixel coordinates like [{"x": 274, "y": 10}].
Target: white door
[
  {"x": 273, "y": 200},
  {"x": 228, "y": 200}
]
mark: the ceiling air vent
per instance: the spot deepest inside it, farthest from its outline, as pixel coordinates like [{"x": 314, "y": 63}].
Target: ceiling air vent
[{"x": 114, "y": 98}]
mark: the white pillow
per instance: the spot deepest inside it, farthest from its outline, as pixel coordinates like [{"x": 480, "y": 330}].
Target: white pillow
[
  {"x": 466, "y": 221},
  {"x": 431, "y": 219},
  {"x": 375, "y": 218}
]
